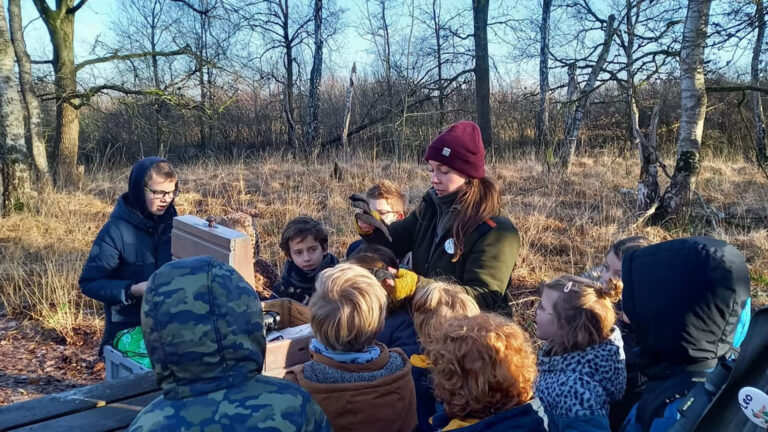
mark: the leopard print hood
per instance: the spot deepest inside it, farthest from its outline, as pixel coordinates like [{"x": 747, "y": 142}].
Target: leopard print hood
[{"x": 582, "y": 383}]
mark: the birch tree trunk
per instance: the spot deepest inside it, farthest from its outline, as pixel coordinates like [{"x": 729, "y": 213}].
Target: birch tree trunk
[
  {"x": 757, "y": 105},
  {"x": 13, "y": 149},
  {"x": 675, "y": 203},
  {"x": 542, "y": 120},
  {"x": 313, "y": 103},
  {"x": 482, "y": 71},
  {"x": 348, "y": 109},
  {"x": 567, "y": 145},
  {"x": 34, "y": 128}
]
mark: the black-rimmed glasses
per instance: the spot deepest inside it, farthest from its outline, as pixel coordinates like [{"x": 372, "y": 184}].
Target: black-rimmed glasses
[{"x": 157, "y": 194}]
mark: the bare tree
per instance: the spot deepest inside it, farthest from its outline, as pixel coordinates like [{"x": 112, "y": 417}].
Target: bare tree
[
  {"x": 34, "y": 128},
  {"x": 675, "y": 203},
  {"x": 60, "y": 23},
  {"x": 757, "y": 106},
  {"x": 567, "y": 145},
  {"x": 348, "y": 108},
  {"x": 482, "y": 70},
  {"x": 542, "y": 119},
  {"x": 13, "y": 149},
  {"x": 315, "y": 75},
  {"x": 145, "y": 26}
]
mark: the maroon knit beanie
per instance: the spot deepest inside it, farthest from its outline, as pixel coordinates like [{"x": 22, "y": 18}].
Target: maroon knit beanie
[{"x": 460, "y": 148}]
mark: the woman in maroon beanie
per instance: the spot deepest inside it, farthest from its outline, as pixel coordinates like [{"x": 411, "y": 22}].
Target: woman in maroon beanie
[{"x": 459, "y": 231}]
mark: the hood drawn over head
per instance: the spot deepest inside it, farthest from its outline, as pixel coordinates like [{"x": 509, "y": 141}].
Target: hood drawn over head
[
  {"x": 684, "y": 298},
  {"x": 203, "y": 327},
  {"x": 135, "y": 194}
]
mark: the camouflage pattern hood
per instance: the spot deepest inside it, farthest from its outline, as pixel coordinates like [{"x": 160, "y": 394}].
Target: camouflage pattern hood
[{"x": 202, "y": 325}]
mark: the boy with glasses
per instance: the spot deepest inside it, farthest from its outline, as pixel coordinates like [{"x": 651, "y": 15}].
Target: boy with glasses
[
  {"x": 135, "y": 241},
  {"x": 386, "y": 199}
]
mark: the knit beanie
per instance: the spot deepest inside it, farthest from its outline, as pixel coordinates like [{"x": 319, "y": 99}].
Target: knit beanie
[{"x": 460, "y": 148}]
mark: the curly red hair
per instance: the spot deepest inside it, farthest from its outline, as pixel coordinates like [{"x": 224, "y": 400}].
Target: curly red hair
[{"x": 482, "y": 365}]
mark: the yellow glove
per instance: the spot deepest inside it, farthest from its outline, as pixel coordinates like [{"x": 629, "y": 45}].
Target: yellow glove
[
  {"x": 405, "y": 284},
  {"x": 366, "y": 219}
]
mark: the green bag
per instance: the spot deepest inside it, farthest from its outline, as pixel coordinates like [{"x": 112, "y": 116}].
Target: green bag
[{"x": 130, "y": 342}]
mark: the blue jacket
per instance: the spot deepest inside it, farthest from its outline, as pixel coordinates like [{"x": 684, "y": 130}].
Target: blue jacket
[
  {"x": 399, "y": 332},
  {"x": 577, "y": 388},
  {"x": 687, "y": 300},
  {"x": 128, "y": 249},
  {"x": 529, "y": 417}
]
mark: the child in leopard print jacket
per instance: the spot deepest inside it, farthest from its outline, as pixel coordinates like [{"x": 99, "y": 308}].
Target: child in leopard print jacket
[{"x": 582, "y": 364}]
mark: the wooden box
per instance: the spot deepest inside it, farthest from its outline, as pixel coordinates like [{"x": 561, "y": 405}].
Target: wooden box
[
  {"x": 192, "y": 237},
  {"x": 286, "y": 353}
]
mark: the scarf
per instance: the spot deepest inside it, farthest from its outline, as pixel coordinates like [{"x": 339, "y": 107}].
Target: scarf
[
  {"x": 368, "y": 355},
  {"x": 299, "y": 284}
]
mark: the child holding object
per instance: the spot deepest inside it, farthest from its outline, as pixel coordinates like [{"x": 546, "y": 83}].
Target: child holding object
[{"x": 135, "y": 241}]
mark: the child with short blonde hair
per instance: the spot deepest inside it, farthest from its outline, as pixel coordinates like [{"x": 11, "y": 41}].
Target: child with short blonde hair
[
  {"x": 484, "y": 370},
  {"x": 437, "y": 302},
  {"x": 357, "y": 381},
  {"x": 431, "y": 307},
  {"x": 582, "y": 365}
]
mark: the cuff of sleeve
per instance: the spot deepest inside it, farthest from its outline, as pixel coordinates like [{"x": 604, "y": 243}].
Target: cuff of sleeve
[{"x": 128, "y": 298}]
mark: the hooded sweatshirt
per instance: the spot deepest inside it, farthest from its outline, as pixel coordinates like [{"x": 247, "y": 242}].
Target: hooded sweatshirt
[
  {"x": 128, "y": 249},
  {"x": 685, "y": 299},
  {"x": 577, "y": 388},
  {"x": 203, "y": 328}
]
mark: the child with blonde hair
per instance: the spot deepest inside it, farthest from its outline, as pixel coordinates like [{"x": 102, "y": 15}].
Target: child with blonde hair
[
  {"x": 582, "y": 364},
  {"x": 431, "y": 307},
  {"x": 484, "y": 369},
  {"x": 359, "y": 383}
]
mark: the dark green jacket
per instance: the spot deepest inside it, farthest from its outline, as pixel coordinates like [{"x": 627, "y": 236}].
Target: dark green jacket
[{"x": 484, "y": 268}]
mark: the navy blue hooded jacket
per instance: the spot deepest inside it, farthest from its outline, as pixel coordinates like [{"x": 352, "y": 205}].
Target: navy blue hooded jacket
[
  {"x": 685, "y": 299},
  {"x": 128, "y": 249}
]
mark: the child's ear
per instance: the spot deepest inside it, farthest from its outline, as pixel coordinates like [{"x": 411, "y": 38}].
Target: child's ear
[{"x": 400, "y": 216}]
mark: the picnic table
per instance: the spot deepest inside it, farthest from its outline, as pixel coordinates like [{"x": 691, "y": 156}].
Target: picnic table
[{"x": 107, "y": 406}]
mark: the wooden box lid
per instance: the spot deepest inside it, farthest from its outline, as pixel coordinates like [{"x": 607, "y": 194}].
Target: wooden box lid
[{"x": 191, "y": 236}]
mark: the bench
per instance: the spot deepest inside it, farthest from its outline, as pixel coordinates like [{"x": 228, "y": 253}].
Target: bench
[{"x": 107, "y": 406}]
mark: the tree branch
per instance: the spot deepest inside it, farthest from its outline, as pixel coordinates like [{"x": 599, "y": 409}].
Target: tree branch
[
  {"x": 76, "y": 7},
  {"x": 728, "y": 89},
  {"x": 113, "y": 57}
]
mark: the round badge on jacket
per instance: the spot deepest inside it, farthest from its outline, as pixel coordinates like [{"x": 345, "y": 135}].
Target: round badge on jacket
[
  {"x": 754, "y": 403},
  {"x": 450, "y": 246}
]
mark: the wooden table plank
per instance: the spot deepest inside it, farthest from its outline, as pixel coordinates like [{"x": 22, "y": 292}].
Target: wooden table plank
[
  {"x": 111, "y": 417},
  {"x": 76, "y": 400}
]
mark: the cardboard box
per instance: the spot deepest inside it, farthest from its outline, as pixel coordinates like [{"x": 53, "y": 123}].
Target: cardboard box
[
  {"x": 283, "y": 354},
  {"x": 191, "y": 236}
]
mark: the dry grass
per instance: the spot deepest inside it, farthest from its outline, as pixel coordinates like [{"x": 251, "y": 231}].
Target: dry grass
[{"x": 566, "y": 222}]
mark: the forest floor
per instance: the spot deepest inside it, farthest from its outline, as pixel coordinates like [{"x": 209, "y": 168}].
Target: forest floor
[{"x": 49, "y": 332}]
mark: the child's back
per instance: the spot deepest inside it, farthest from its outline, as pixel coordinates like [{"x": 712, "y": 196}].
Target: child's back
[{"x": 358, "y": 382}]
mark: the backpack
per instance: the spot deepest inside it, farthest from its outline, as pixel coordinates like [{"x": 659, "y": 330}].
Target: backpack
[{"x": 716, "y": 405}]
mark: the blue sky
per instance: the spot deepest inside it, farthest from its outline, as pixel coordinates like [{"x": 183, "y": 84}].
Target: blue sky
[{"x": 94, "y": 20}]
